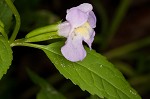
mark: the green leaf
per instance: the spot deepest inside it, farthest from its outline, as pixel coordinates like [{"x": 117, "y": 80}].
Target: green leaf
[
  {"x": 5, "y": 15},
  {"x": 2, "y": 30},
  {"x": 47, "y": 91},
  {"x": 43, "y": 33},
  {"x": 42, "y": 30},
  {"x": 94, "y": 74},
  {"x": 5, "y": 56},
  {"x": 1, "y": 24},
  {"x": 43, "y": 37}
]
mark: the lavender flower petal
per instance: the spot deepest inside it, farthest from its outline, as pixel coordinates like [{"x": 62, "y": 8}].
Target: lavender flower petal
[
  {"x": 76, "y": 17},
  {"x": 85, "y": 7},
  {"x": 92, "y": 19},
  {"x": 64, "y": 29},
  {"x": 73, "y": 50},
  {"x": 90, "y": 41},
  {"x": 78, "y": 28}
]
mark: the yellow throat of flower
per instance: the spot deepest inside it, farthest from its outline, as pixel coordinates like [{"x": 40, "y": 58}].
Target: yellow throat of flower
[{"x": 84, "y": 30}]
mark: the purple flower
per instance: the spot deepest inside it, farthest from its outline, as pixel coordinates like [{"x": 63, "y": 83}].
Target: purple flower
[{"x": 79, "y": 27}]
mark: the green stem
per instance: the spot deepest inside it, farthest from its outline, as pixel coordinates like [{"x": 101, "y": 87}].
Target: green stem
[
  {"x": 17, "y": 17},
  {"x": 120, "y": 13},
  {"x": 128, "y": 48},
  {"x": 21, "y": 42}
]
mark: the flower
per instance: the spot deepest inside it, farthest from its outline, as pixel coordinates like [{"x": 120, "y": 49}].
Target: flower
[{"x": 78, "y": 27}]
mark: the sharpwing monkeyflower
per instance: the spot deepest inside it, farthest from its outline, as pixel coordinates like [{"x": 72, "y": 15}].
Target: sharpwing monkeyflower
[{"x": 78, "y": 27}]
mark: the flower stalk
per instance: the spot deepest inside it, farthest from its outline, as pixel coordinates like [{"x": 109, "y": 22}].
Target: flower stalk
[{"x": 17, "y": 17}]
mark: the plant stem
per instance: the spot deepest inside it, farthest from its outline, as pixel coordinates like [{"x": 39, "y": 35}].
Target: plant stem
[
  {"x": 17, "y": 17},
  {"x": 20, "y": 42},
  {"x": 128, "y": 48},
  {"x": 120, "y": 13}
]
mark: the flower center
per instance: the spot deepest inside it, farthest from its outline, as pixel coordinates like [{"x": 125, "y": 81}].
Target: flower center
[{"x": 84, "y": 30}]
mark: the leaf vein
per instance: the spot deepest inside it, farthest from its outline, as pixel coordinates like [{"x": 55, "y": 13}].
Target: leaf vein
[
  {"x": 91, "y": 71},
  {"x": 96, "y": 85},
  {"x": 102, "y": 78}
]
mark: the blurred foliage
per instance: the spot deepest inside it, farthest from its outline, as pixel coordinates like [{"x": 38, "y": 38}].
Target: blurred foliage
[
  {"x": 133, "y": 27},
  {"x": 32, "y": 16},
  {"x": 47, "y": 91},
  {"x": 5, "y": 15}
]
